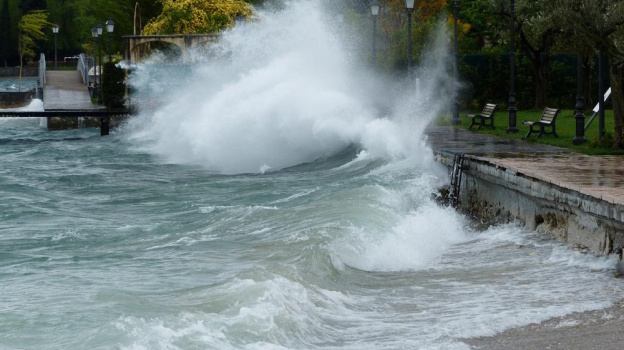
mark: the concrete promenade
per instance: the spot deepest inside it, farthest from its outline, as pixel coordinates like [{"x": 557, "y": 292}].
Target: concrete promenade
[
  {"x": 601, "y": 177},
  {"x": 65, "y": 90}
]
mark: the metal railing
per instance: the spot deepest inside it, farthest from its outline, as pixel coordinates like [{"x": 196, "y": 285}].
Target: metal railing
[
  {"x": 42, "y": 74},
  {"x": 83, "y": 67}
]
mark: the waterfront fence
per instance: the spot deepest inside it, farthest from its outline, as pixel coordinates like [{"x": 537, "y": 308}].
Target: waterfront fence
[{"x": 41, "y": 78}]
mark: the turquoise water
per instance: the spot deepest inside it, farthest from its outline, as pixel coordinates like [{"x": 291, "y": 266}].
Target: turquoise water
[
  {"x": 104, "y": 246},
  {"x": 280, "y": 199},
  {"x": 12, "y": 84}
]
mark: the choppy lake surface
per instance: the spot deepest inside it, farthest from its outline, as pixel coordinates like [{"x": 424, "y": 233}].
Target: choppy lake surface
[
  {"x": 12, "y": 84},
  {"x": 103, "y": 245},
  {"x": 279, "y": 197}
]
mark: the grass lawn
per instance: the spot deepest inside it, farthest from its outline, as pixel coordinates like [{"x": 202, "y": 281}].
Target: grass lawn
[{"x": 566, "y": 129}]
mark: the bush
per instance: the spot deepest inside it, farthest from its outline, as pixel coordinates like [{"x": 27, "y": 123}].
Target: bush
[
  {"x": 606, "y": 141},
  {"x": 113, "y": 86}
]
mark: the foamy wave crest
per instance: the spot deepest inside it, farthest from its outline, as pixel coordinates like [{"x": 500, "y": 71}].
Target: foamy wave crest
[
  {"x": 36, "y": 105},
  {"x": 280, "y": 91},
  {"x": 244, "y": 314},
  {"x": 415, "y": 242}
]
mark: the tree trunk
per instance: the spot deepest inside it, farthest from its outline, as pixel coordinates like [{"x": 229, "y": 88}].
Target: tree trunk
[
  {"x": 588, "y": 95},
  {"x": 617, "y": 98},
  {"x": 539, "y": 73}
]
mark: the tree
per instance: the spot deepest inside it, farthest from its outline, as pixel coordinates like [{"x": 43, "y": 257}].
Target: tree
[
  {"x": 487, "y": 32},
  {"x": 197, "y": 16},
  {"x": 597, "y": 25},
  {"x": 5, "y": 32},
  {"x": 533, "y": 26},
  {"x": 393, "y": 25},
  {"x": 30, "y": 30},
  {"x": 537, "y": 33},
  {"x": 77, "y": 17},
  {"x": 31, "y": 5},
  {"x": 113, "y": 85}
]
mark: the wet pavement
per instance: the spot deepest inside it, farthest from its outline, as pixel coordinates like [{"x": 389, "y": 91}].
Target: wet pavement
[
  {"x": 66, "y": 90},
  {"x": 597, "y": 176}
]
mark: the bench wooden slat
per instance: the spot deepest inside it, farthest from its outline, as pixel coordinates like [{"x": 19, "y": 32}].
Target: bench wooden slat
[
  {"x": 487, "y": 114},
  {"x": 548, "y": 118}
]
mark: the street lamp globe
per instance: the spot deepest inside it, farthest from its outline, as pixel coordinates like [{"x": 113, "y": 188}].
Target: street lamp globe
[
  {"x": 55, "y": 29},
  {"x": 375, "y": 6},
  {"x": 110, "y": 26},
  {"x": 100, "y": 28},
  {"x": 94, "y": 32},
  {"x": 409, "y": 4}
]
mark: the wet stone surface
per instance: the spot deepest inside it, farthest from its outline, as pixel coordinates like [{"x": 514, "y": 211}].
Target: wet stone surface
[
  {"x": 65, "y": 90},
  {"x": 597, "y": 176}
]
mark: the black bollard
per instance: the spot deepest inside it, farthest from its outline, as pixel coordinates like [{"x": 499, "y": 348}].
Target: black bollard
[{"x": 104, "y": 126}]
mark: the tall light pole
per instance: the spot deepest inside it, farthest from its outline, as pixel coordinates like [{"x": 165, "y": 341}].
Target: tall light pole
[
  {"x": 455, "y": 106},
  {"x": 579, "y": 138},
  {"x": 94, "y": 34},
  {"x": 100, "y": 32},
  {"x": 375, "y": 6},
  {"x": 512, "y": 69},
  {"x": 110, "y": 27},
  {"x": 55, "y": 30},
  {"x": 409, "y": 5}
]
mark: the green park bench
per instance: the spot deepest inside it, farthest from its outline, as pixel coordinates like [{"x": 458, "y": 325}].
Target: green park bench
[
  {"x": 485, "y": 118},
  {"x": 549, "y": 116}
]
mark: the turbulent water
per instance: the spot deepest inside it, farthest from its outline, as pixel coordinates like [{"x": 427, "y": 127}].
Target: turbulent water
[
  {"x": 282, "y": 206},
  {"x": 14, "y": 84}
]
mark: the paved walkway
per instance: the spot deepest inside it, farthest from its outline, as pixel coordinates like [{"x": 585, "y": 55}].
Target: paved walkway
[
  {"x": 597, "y": 176},
  {"x": 65, "y": 90}
]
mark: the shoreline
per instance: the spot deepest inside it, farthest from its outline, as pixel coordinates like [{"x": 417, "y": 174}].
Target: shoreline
[{"x": 599, "y": 329}]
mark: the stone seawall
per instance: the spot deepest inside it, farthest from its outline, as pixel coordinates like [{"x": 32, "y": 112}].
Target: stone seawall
[
  {"x": 16, "y": 99},
  {"x": 497, "y": 194}
]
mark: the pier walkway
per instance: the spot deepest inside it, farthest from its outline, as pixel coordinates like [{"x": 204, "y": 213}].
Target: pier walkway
[
  {"x": 65, "y": 90},
  {"x": 66, "y": 97}
]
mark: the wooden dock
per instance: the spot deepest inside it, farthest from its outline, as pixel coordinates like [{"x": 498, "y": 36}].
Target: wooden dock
[
  {"x": 65, "y": 95},
  {"x": 65, "y": 90}
]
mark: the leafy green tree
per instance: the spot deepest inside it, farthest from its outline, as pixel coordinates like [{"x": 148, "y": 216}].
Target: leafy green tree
[
  {"x": 393, "y": 24},
  {"x": 597, "y": 25},
  {"x": 30, "y": 30},
  {"x": 537, "y": 34},
  {"x": 197, "y": 16},
  {"x": 113, "y": 86},
  {"x": 490, "y": 22},
  {"x": 77, "y": 17}
]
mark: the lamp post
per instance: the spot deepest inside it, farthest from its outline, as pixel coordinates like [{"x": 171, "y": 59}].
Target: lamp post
[
  {"x": 94, "y": 34},
  {"x": 579, "y": 138},
  {"x": 100, "y": 32},
  {"x": 110, "y": 26},
  {"x": 409, "y": 5},
  {"x": 55, "y": 30},
  {"x": 375, "y": 6},
  {"x": 512, "y": 70},
  {"x": 455, "y": 107}
]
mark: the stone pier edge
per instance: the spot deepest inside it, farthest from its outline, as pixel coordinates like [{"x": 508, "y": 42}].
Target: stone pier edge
[{"x": 494, "y": 194}]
